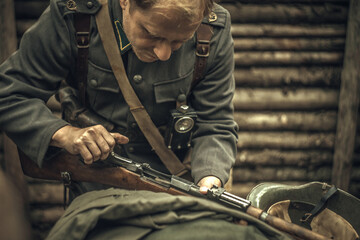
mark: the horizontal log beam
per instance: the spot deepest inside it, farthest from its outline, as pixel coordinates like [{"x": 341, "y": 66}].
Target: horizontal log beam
[
  {"x": 285, "y": 44},
  {"x": 30, "y": 9},
  {"x": 48, "y": 215},
  {"x": 287, "y": 13},
  {"x": 270, "y": 174},
  {"x": 46, "y": 193},
  {"x": 285, "y": 99},
  {"x": 280, "y": 158},
  {"x": 285, "y": 140},
  {"x": 282, "y": 76},
  {"x": 288, "y": 30},
  {"x": 297, "y": 121},
  {"x": 287, "y": 58}
]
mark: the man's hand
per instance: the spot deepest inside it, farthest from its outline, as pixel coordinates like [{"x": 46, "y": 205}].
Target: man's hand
[
  {"x": 92, "y": 143},
  {"x": 207, "y": 183}
]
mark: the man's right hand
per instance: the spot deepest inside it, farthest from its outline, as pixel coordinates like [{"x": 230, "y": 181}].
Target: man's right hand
[{"x": 92, "y": 143}]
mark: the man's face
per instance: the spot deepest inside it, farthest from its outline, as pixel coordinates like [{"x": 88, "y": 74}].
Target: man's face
[{"x": 155, "y": 33}]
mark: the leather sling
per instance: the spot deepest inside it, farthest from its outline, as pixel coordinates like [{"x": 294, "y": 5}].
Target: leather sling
[{"x": 152, "y": 134}]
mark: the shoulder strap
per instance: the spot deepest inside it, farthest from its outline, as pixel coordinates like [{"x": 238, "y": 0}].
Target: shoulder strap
[
  {"x": 144, "y": 121},
  {"x": 203, "y": 35},
  {"x": 82, "y": 27}
]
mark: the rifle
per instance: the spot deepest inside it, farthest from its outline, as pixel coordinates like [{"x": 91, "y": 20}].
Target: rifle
[{"x": 124, "y": 173}]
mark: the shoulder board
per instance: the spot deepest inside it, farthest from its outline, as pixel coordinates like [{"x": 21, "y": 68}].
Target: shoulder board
[
  {"x": 217, "y": 17},
  {"x": 82, "y": 6}
]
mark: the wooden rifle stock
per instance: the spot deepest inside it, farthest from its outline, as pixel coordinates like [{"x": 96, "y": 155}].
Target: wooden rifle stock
[{"x": 122, "y": 178}]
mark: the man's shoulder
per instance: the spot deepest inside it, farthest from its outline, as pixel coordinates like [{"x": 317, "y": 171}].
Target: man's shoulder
[
  {"x": 219, "y": 17},
  {"x": 79, "y": 6}
]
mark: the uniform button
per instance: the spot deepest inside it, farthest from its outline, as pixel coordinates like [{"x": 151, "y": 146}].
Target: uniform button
[
  {"x": 134, "y": 125},
  {"x": 137, "y": 78},
  {"x": 90, "y": 4},
  {"x": 131, "y": 149},
  {"x": 93, "y": 83},
  {"x": 181, "y": 98}
]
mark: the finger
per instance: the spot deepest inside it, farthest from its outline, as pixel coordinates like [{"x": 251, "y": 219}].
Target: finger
[
  {"x": 94, "y": 150},
  {"x": 120, "y": 139},
  {"x": 104, "y": 147},
  {"x": 86, "y": 155}
]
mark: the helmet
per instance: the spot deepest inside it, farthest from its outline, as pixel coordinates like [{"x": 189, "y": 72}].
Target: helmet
[{"x": 317, "y": 206}]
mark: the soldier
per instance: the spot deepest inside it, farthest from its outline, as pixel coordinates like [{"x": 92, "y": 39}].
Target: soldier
[{"x": 157, "y": 44}]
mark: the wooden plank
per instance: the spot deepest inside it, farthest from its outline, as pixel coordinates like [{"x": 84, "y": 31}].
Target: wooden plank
[
  {"x": 349, "y": 101},
  {"x": 278, "y": 157},
  {"x": 286, "y": 58},
  {"x": 293, "y": 121},
  {"x": 288, "y": 30},
  {"x": 285, "y": 140},
  {"x": 285, "y": 99},
  {"x": 287, "y": 13},
  {"x": 285, "y": 44},
  {"x": 322, "y": 76}
]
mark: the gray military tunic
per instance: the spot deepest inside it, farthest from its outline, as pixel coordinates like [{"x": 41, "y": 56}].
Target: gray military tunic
[{"x": 47, "y": 55}]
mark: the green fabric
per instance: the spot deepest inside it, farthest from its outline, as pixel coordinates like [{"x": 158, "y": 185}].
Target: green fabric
[{"x": 118, "y": 213}]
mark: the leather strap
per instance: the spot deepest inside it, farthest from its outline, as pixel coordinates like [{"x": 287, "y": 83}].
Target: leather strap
[
  {"x": 319, "y": 206},
  {"x": 152, "y": 134},
  {"x": 82, "y": 26},
  {"x": 203, "y": 35}
]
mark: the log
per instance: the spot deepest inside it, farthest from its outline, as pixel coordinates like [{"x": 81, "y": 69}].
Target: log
[
  {"x": 349, "y": 101},
  {"x": 293, "y": 44},
  {"x": 30, "y": 9},
  {"x": 46, "y": 193},
  {"x": 284, "y": 76},
  {"x": 287, "y": 58},
  {"x": 296, "y": 121},
  {"x": 47, "y": 215},
  {"x": 285, "y": 99},
  {"x": 288, "y": 30},
  {"x": 287, "y": 13},
  {"x": 271, "y": 174},
  {"x": 285, "y": 140},
  {"x": 276, "y": 157}
]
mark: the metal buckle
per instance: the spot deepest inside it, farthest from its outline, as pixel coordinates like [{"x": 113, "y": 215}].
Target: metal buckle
[
  {"x": 203, "y": 51},
  {"x": 82, "y": 39}
]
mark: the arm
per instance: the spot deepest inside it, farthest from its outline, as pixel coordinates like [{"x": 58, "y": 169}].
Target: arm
[{"x": 214, "y": 140}]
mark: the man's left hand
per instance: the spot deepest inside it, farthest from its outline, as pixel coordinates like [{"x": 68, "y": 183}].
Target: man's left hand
[{"x": 207, "y": 183}]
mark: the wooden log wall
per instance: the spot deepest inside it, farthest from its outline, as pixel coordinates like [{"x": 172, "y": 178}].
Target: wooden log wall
[{"x": 288, "y": 56}]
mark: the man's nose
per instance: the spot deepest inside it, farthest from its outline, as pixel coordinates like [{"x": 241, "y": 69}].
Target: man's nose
[{"x": 163, "y": 50}]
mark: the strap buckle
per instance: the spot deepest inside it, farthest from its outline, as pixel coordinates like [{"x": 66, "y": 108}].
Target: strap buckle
[
  {"x": 203, "y": 48},
  {"x": 82, "y": 39}
]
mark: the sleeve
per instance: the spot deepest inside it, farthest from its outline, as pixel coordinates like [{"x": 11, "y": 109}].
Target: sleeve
[
  {"x": 29, "y": 78},
  {"x": 215, "y": 137}
]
